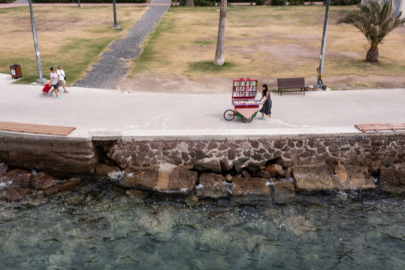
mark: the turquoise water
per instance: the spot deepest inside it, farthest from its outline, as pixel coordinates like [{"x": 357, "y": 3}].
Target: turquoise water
[{"x": 103, "y": 228}]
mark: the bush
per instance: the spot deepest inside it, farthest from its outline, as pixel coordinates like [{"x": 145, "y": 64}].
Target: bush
[
  {"x": 259, "y": 2},
  {"x": 277, "y": 2},
  {"x": 88, "y": 1},
  {"x": 343, "y": 2},
  {"x": 6, "y": 1},
  {"x": 296, "y": 2}
]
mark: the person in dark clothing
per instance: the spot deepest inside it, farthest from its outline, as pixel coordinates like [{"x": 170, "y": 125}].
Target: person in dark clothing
[{"x": 266, "y": 109}]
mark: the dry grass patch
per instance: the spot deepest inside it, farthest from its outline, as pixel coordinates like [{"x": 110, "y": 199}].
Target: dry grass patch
[
  {"x": 69, "y": 36},
  {"x": 264, "y": 42}
]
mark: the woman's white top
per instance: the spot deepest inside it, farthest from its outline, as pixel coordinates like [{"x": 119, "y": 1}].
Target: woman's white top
[
  {"x": 61, "y": 74},
  {"x": 54, "y": 78}
]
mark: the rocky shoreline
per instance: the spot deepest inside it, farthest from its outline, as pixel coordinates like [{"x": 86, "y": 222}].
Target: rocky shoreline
[
  {"x": 274, "y": 181},
  {"x": 272, "y": 168}
]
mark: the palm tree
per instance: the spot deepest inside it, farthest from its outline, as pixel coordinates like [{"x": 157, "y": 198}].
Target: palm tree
[
  {"x": 375, "y": 22},
  {"x": 219, "y": 59}
]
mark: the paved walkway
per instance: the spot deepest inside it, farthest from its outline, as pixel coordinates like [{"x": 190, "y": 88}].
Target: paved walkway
[
  {"x": 111, "y": 112},
  {"x": 107, "y": 72}
]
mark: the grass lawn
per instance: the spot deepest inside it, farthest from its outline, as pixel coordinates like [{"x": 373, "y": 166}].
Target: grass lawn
[
  {"x": 264, "y": 42},
  {"x": 73, "y": 37}
]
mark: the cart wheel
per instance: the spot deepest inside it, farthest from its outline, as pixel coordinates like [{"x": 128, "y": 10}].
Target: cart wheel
[
  {"x": 247, "y": 120},
  {"x": 324, "y": 87},
  {"x": 229, "y": 115}
]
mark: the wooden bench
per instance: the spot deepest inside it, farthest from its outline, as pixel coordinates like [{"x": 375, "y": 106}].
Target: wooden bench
[{"x": 290, "y": 83}]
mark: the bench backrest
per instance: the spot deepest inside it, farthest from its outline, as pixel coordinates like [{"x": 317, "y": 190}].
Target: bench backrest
[{"x": 291, "y": 83}]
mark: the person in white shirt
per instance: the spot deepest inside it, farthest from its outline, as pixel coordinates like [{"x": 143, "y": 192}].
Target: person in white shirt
[
  {"x": 54, "y": 82},
  {"x": 61, "y": 75}
]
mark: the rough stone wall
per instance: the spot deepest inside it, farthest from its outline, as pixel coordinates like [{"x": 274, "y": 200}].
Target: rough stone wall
[
  {"x": 48, "y": 154},
  {"x": 300, "y": 150}
]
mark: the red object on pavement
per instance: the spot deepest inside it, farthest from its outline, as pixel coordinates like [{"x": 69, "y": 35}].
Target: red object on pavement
[{"x": 46, "y": 88}]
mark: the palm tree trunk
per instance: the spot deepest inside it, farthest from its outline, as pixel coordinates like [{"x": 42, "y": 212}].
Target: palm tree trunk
[
  {"x": 219, "y": 54},
  {"x": 372, "y": 54},
  {"x": 189, "y": 3}
]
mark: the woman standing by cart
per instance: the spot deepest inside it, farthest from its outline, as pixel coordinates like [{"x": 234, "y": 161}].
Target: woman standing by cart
[{"x": 267, "y": 103}]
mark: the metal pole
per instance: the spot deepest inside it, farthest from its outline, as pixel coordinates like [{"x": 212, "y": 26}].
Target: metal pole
[
  {"x": 78, "y": 1},
  {"x": 34, "y": 33},
  {"x": 115, "y": 15},
  {"x": 325, "y": 30}
]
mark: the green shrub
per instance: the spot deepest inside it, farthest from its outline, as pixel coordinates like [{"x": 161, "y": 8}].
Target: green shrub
[
  {"x": 88, "y": 1},
  {"x": 343, "y": 2},
  {"x": 296, "y": 2},
  {"x": 277, "y": 2},
  {"x": 6, "y": 1},
  {"x": 259, "y": 2}
]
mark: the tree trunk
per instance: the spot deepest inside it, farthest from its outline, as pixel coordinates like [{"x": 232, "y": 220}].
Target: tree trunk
[
  {"x": 372, "y": 55},
  {"x": 219, "y": 54},
  {"x": 189, "y": 3}
]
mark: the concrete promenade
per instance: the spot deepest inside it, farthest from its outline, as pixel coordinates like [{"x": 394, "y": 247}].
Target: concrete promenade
[{"x": 104, "y": 113}]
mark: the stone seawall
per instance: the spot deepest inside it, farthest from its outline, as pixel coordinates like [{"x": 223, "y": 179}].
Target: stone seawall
[
  {"x": 221, "y": 167},
  {"x": 296, "y": 150}
]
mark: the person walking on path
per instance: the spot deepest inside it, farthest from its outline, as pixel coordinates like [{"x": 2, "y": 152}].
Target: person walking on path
[
  {"x": 62, "y": 77},
  {"x": 54, "y": 82},
  {"x": 267, "y": 103}
]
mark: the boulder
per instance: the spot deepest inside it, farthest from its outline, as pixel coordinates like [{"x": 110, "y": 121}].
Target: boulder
[
  {"x": 359, "y": 178},
  {"x": 137, "y": 195},
  {"x": 105, "y": 169},
  {"x": 177, "y": 180},
  {"x": 15, "y": 194},
  {"x": 341, "y": 173},
  {"x": 254, "y": 241},
  {"x": 263, "y": 174},
  {"x": 299, "y": 225},
  {"x": 280, "y": 172},
  {"x": 252, "y": 186},
  {"x": 160, "y": 225},
  {"x": 212, "y": 185},
  {"x": 317, "y": 178},
  {"x": 392, "y": 180},
  {"x": 271, "y": 170},
  {"x": 225, "y": 166},
  {"x": 253, "y": 167},
  {"x": 145, "y": 179},
  {"x": 283, "y": 191},
  {"x": 3, "y": 168},
  {"x": 42, "y": 181},
  {"x": 191, "y": 200},
  {"x": 228, "y": 178},
  {"x": 240, "y": 164},
  {"x": 246, "y": 174},
  {"x": 58, "y": 188},
  {"x": 208, "y": 165},
  {"x": 17, "y": 177},
  {"x": 10, "y": 248},
  {"x": 215, "y": 238}
]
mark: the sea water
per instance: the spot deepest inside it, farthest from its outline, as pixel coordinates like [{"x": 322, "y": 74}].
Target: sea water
[{"x": 99, "y": 227}]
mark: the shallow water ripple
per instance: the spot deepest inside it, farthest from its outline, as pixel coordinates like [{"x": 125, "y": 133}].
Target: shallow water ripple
[{"x": 110, "y": 230}]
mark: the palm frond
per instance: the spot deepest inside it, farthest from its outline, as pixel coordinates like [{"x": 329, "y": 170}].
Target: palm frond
[{"x": 375, "y": 21}]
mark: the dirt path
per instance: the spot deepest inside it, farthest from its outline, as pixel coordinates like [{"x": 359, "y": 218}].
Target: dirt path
[
  {"x": 181, "y": 84},
  {"x": 107, "y": 72}
]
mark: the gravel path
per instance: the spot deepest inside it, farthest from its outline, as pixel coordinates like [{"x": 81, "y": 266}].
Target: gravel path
[{"x": 111, "y": 68}]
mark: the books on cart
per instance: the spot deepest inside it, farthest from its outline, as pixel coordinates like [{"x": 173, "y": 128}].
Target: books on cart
[{"x": 244, "y": 92}]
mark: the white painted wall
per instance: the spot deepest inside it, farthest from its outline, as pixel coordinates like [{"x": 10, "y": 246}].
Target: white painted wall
[{"x": 399, "y": 4}]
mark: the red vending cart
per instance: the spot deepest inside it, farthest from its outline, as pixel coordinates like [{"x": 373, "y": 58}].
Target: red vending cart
[{"x": 244, "y": 100}]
